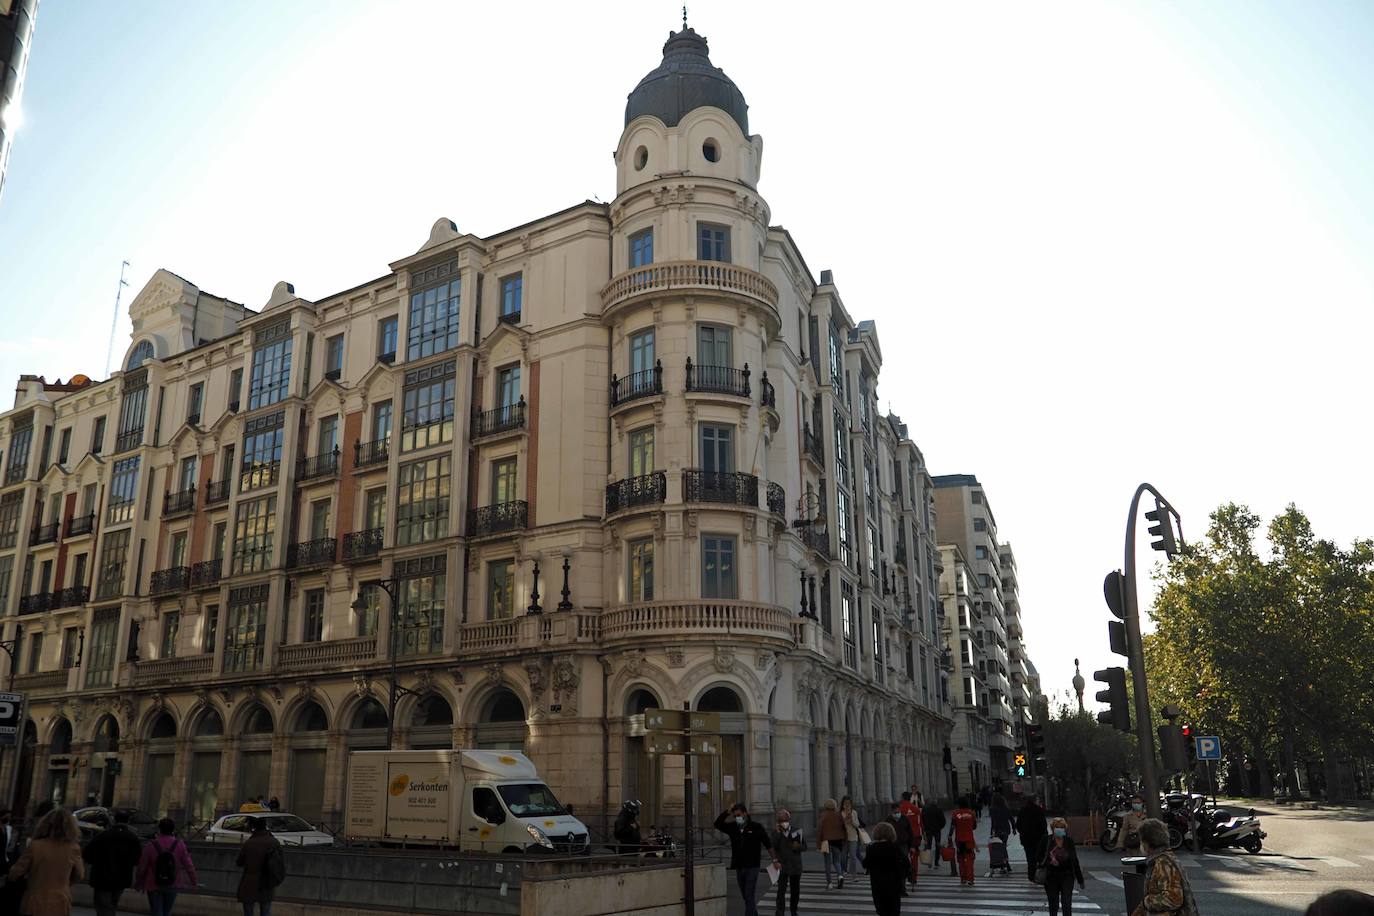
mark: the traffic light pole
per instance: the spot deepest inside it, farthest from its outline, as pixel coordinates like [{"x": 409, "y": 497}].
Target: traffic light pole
[{"x": 1144, "y": 728}]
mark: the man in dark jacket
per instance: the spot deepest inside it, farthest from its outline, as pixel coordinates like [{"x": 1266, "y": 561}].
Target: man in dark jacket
[
  {"x": 1030, "y": 826},
  {"x": 788, "y": 845},
  {"x": 747, "y": 842},
  {"x": 264, "y": 869},
  {"x": 933, "y": 823},
  {"x": 112, "y": 855}
]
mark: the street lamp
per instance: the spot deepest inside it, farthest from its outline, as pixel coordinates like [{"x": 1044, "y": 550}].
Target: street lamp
[
  {"x": 360, "y": 605},
  {"x": 1078, "y": 684}
]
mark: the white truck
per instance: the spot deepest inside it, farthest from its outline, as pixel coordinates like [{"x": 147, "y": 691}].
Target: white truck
[{"x": 478, "y": 801}]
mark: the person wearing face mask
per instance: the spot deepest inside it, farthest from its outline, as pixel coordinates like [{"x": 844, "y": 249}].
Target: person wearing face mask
[
  {"x": 1166, "y": 886},
  {"x": 1059, "y": 868},
  {"x": 789, "y": 845},
  {"x": 1128, "y": 837},
  {"x": 748, "y": 840},
  {"x": 906, "y": 842}
]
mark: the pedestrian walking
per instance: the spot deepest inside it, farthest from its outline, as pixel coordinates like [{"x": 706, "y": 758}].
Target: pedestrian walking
[
  {"x": 11, "y": 837},
  {"x": 831, "y": 834},
  {"x": 1341, "y": 903},
  {"x": 1002, "y": 826},
  {"x": 962, "y": 823},
  {"x": 888, "y": 870},
  {"x": 164, "y": 869},
  {"x": 626, "y": 830},
  {"x": 112, "y": 854},
  {"x": 1058, "y": 866},
  {"x": 932, "y": 823},
  {"x": 1166, "y": 886},
  {"x": 788, "y": 846},
  {"x": 911, "y": 810},
  {"x": 748, "y": 840},
  {"x": 49, "y": 866},
  {"x": 1128, "y": 837},
  {"x": 855, "y": 837},
  {"x": 264, "y": 869},
  {"x": 1030, "y": 827}
]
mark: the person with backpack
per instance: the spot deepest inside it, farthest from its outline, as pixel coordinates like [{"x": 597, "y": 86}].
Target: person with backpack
[
  {"x": 112, "y": 856},
  {"x": 264, "y": 869},
  {"x": 164, "y": 868}
]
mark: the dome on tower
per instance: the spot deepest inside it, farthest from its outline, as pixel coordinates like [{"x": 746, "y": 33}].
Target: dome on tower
[{"x": 684, "y": 81}]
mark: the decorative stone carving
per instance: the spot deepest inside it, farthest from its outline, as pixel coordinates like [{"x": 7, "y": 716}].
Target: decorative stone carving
[
  {"x": 565, "y": 681},
  {"x": 456, "y": 675},
  {"x": 78, "y": 712},
  {"x": 534, "y": 670},
  {"x": 634, "y": 663},
  {"x": 158, "y": 700},
  {"x": 675, "y": 657},
  {"x": 305, "y": 688},
  {"x": 495, "y": 674},
  {"x": 763, "y": 659},
  {"x": 725, "y": 659},
  {"x": 362, "y": 685},
  {"x": 274, "y": 691},
  {"x": 226, "y": 696},
  {"x": 424, "y": 681},
  {"x": 124, "y": 708}
]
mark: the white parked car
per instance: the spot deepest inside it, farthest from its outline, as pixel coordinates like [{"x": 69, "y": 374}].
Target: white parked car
[{"x": 289, "y": 829}]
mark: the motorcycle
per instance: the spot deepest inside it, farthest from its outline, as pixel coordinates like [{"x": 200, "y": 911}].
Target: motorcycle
[
  {"x": 659, "y": 844},
  {"x": 1220, "y": 828},
  {"x": 1116, "y": 813}
]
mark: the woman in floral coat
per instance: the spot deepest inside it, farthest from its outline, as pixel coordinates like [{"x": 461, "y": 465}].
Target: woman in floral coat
[{"x": 1166, "y": 886}]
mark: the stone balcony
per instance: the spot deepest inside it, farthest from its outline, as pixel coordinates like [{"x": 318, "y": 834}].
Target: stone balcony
[
  {"x": 190, "y": 669},
  {"x": 711, "y": 618},
  {"x": 336, "y": 652},
  {"x": 528, "y": 631},
  {"x": 42, "y": 682},
  {"x": 700, "y": 277}
]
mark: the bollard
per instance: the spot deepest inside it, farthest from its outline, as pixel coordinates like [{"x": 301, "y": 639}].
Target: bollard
[{"x": 1133, "y": 881}]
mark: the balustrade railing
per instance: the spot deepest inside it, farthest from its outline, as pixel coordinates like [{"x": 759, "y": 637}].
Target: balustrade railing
[
  {"x": 490, "y": 634},
  {"x": 718, "y": 379},
  {"x": 707, "y": 616},
  {"x": 498, "y": 518},
  {"x": 665, "y": 275},
  {"x": 39, "y": 602},
  {"x": 318, "y": 552},
  {"x": 816, "y": 537},
  {"x": 169, "y": 580},
  {"x": 499, "y": 419},
  {"x": 359, "y": 545},
  {"x": 645, "y": 383},
  {"x": 645, "y": 490},
  {"x": 331, "y": 654},
  {"x": 720, "y": 487},
  {"x": 173, "y": 670}
]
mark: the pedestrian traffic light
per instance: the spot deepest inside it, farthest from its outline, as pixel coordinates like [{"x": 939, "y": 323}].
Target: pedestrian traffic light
[
  {"x": 1020, "y": 764},
  {"x": 1035, "y": 741},
  {"x": 1119, "y": 714},
  {"x": 1172, "y": 749},
  {"x": 1162, "y": 530}
]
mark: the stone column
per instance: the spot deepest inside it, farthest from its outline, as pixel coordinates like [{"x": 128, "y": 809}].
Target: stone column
[
  {"x": 226, "y": 792},
  {"x": 335, "y": 767},
  {"x": 281, "y": 766},
  {"x": 181, "y": 772}
]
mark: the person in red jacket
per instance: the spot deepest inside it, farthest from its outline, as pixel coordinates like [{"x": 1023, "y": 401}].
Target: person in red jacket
[
  {"x": 962, "y": 823},
  {"x": 912, "y": 812}
]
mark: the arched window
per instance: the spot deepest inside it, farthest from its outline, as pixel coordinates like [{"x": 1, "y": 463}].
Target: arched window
[
  {"x": 259, "y": 721},
  {"x": 720, "y": 699},
  {"x": 311, "y": 718},
  {"x": 140, "y": 354},
  {"x": 107, "y": 736},
  {"x": 369, "y": 714},
  {"x": 432, "y": 710},
  {"x": 61, "y": 742},
  {"x": 164, "y": 726},
  {"x": 503, "y": 706},
  {"x": 209, "y": 725},
  {"x": 639, "y": 701}
]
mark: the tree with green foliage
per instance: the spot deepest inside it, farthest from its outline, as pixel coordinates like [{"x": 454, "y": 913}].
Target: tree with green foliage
[
  {"x": 1084, "y": 755},
  {"x": 1273, "y": 654}
]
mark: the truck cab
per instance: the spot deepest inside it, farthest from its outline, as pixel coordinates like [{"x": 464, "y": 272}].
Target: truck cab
[{"x": 520, "y": 813}]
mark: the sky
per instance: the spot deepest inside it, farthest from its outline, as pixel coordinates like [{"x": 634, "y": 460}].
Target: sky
[{"x": 1103, "y": 243}]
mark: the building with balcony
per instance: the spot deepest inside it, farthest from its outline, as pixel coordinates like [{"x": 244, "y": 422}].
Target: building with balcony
[
  {"x": 511, "y": 430},
  {"x": 965, "y": 659}
]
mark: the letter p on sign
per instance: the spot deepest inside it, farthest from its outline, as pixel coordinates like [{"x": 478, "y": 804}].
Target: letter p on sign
[{"x": 1208, "y": 747}]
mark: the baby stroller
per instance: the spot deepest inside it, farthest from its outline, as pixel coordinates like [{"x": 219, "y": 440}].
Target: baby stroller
[{"x": 997, "y": 857}]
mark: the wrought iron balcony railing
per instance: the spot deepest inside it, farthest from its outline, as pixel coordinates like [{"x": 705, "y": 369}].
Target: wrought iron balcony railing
[
  {"x": 719, "y": 379},
  {"x": 178, "y": 502},
  {"x": 720, "y": 487},
  {"x": 175, "y": 579},
  {"x": 51, "y": 601},
  {"x": 44, "y": 534},
  {"x": 816, "y": 537},
  {"x": 318, "y": 552},
  {"x": 217, "y": 491},
  {"x": 498, "y": 518},
  {"x": 207, "y": 573},
  {"x": 322, "y": 465},
  {"x": 645, "y": 490},
  {"x": 80, "y": 524},
  {"x": 777, "y": 499},
  {"x": 645, "y": 383},
  {"x": 812, "y": 445},
  {"x": 129, "y": 440},
  {"x": 509, "y": 317},
  {"x": 767, "y": 396},
  {"x": 366, "y": 454},
  {"x": 360, "y": 545},
  {"x": 499, "y": 419},
  {"x": 387, "y": 358}
]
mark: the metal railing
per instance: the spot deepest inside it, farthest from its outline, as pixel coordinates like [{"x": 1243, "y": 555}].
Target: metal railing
[
  {"x": 718, "y": 379},
  {"x": 812, "y": 445},
  {"x": 80, "y": 524},
  {"x": 645, "y": 490},
  {"x": 51, "y": 601},
  {"x": 498, "y": 518},
  {"x": 366, "y": 454},
  {"x": 816, "y": 537},
  {"x": 179, "y": 502},
  {"x": 207, "y": 573},
  {"x": 499, "y": 419},
  {"x": 767, "y": 396},
  {"x": 360, "y": 545},
  {"x": 731, "y": 487},
  {"x": 645, "y": 383},
  {"x": 217, "y": 491},
  {"x": 45, "y": 534},
  {"x": 318, "y": 552},
  {"x": 509, "y": 317},
  {"x": 174, "y": 579},
  {"x": 387, "y": 358},
  {"x": 325, "y": 464},
  {"x": 777, "y": 499},
  {"x": 129, "y": 440},
  {"x": 665, "y": 275}
]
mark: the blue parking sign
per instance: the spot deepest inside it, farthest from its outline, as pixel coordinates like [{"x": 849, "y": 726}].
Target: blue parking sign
[{"x": 1208, "y": 747}]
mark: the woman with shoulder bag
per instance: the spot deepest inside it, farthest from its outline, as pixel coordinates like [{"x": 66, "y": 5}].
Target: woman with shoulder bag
[
  {"x": 1059, "y": 868},
  {"x": 1166, "y": 886},
  {"x": 855, "y": 837},
  {"x": 830, "y": 832}
]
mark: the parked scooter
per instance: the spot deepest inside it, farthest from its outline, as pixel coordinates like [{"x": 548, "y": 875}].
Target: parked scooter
[
  {"x": 660, "y": 844},
  {"x": 1220, "y": 828}
]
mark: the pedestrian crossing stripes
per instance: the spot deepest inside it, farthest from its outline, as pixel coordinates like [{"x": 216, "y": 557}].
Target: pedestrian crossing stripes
[{"x": 935, "y": 894}]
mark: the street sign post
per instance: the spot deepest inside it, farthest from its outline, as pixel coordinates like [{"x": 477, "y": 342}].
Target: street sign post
[
  {"x": 668, "y": 743},
  {"x": 676, "y": 720},
  {"x": 11, "y": 729},
  {"x": 672, "y": 731},
  {"x": 1209, "y": 750}
]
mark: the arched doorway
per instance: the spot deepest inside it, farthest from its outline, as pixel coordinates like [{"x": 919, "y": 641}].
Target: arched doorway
[
  {"x": 309, "y": 740},
  {"x": 431, "y": 723},
  {"x": 643, "y": 776},
  {"x": 59, "y": 765},
  {"x": 255, "y": 753},
  {"x": 367, "y": 726},
  {"x": 159, "y": 759},
  {"x": 207, "y": 752},
  {"x": 723, "y": 773},
  {"x": 501, "y": 723},
  {"x": 104, "y": 751}
]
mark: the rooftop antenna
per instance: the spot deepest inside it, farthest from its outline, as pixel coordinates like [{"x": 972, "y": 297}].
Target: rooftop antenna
[
  {"x": 114, "y": 323},
  {"x": 684, "y": 17}
]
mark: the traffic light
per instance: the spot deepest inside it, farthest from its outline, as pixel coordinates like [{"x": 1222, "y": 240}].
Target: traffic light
[
  {"x": 1035, "y": 741},
  {"x": 1172, "y": 748},
  {"x": 1191, "y": 748},
  {"x": 1020, "y": 764},
  {"x": 1162, "y": 530},
  {"x": 1119, "y": 715}
]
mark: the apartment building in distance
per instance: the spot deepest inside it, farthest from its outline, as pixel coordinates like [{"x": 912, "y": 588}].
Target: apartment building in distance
[{"x": 619, "y": 457}]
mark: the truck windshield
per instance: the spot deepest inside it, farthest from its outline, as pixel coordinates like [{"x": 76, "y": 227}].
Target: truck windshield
[{"x": 530, "y": 799}]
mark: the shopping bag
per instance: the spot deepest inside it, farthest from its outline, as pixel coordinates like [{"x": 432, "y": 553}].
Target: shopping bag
[
  {"x": 927, "y": 857},
  {"x": 947, "y": 853}
]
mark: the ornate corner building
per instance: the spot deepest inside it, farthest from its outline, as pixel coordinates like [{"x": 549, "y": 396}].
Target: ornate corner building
[{"x": 624, "y": 456}]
